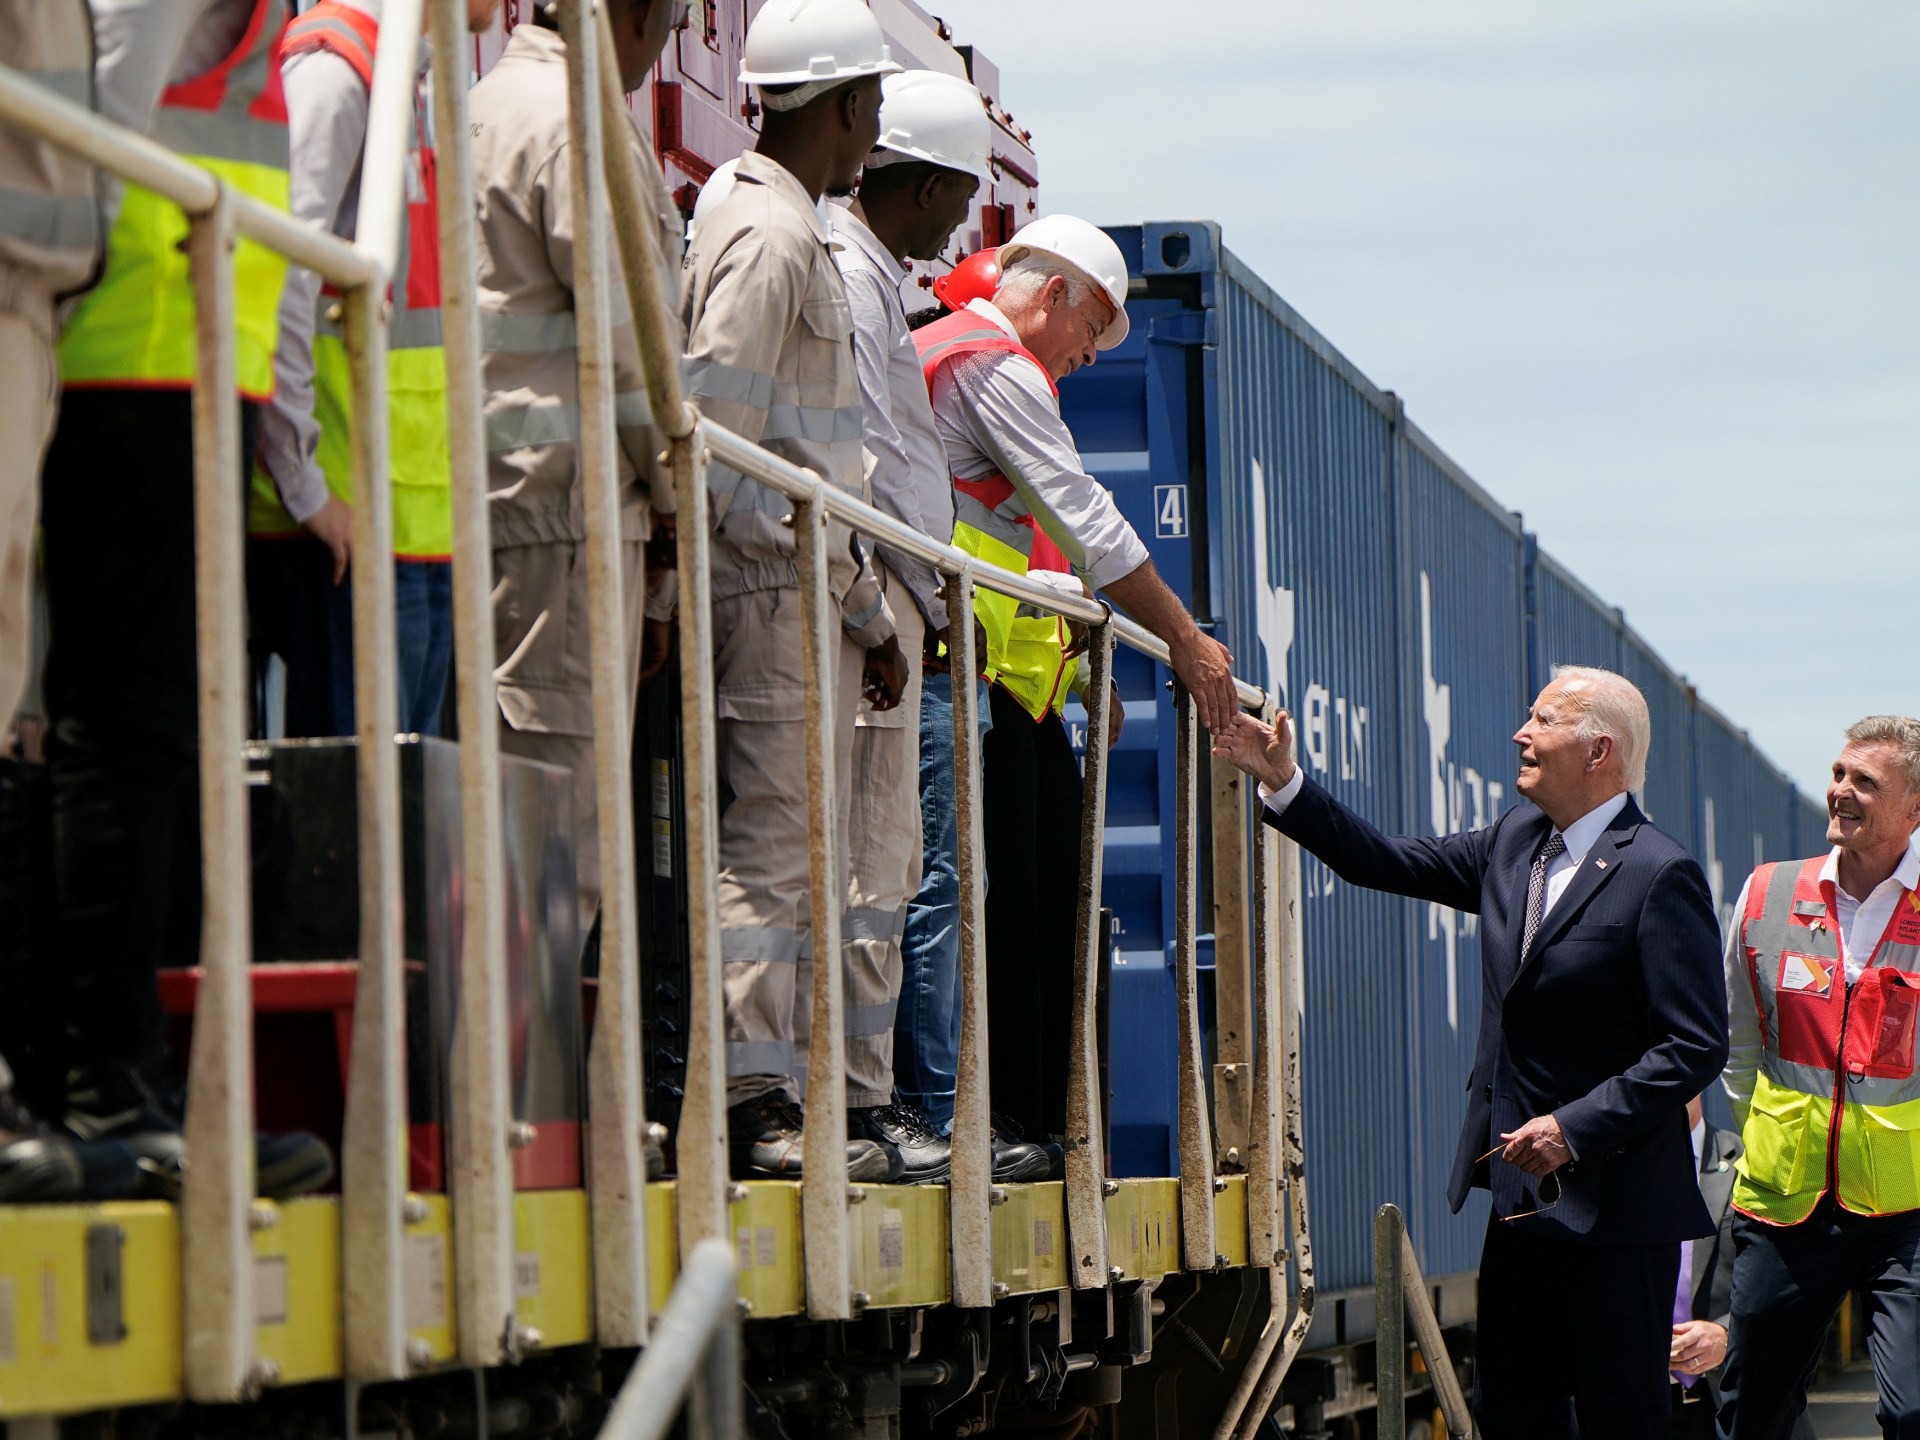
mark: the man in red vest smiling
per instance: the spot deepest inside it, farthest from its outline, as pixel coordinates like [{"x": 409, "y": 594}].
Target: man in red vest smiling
[{"x": 1823, "y": 988}]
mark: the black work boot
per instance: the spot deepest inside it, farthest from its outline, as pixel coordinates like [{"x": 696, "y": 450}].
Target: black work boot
[
  {"x": 38, "y": 1165},
  {"x": 925, "y": 1154},
  {"x": 1016, "y": 1162},
  {"x": 763, "y": 1143},
  {"x": 118, "y": 1101}
]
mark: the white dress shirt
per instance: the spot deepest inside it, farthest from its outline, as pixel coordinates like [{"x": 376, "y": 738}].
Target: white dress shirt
[
  {"x": 1579, "y": 836},
  {"x": 1862, "y": 922}
]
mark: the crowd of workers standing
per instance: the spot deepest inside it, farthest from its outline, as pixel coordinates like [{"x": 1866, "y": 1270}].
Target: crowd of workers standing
[
  {"x": 788, "y": 288},
  {"x": 796, "y": 337}
]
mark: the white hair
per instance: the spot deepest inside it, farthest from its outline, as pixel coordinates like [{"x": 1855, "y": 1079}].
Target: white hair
[
  {"x": 1902, "y": 731},
  {"x": 1028, "y": 276},
  {"x": 1611, "y": 705}
]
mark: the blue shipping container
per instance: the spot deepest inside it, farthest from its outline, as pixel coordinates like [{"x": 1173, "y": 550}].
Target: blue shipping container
[{"x": 1406, "y": 619}]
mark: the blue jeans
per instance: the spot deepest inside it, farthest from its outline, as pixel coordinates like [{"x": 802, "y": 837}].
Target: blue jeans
[
  {"x": 926, "y": 1026},
  {"x": 298, "y": 613}
]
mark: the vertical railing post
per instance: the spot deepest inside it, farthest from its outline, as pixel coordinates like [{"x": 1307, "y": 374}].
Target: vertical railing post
[
  {"x": 216, "y": 1256},
  {"x": 701, "y": 1145},
  {"x": 1086, "y": 1151},
  {"x": 970, "y": 1185},
  {"x": 1389, "y": 1326},
  {"x": 1293, "y": 1144},
  {"x": 482, "y": 1111},
  {"x": 1235, "y": 1051},
  {"x": 1266, "y": 1160},
  {"x": 1198, "y": 1249},
  {"x": 373, "y": 1188},
  {"x": 1266, "y": 1170},
  {"x": 616, "y": 1114},
  {"x": 823, "y": 1200}
]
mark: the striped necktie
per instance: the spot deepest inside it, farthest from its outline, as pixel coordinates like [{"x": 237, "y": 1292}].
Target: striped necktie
[{"x": 1537, "y": 890}]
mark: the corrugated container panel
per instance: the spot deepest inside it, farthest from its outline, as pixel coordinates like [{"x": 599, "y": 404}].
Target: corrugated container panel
[
  {"x": 1775, "y": 802},
  {"x": 1809, "y": 824},
  {"x": 1730, "y": 842},
  {"x": 1668, "y": 795},
  {"x": 1307, "y": 571},
  {"x": 1567, "y": 623},
  {"x": 1465, "y": 570}
]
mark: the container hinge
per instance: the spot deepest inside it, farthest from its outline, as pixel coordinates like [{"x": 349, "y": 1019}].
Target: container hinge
[{"x": 1184, "y": 327}]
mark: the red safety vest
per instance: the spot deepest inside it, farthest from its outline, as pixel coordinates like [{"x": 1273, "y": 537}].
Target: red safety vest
[
  {"x": 1836, "y": 1101},
  {"x": 1026, "y": 649}
]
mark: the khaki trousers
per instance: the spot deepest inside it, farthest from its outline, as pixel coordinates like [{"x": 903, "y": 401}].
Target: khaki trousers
[
  {"x": 884, "y": 860},
  {"x": 29, "y": 402},
  {"x": 765, "y": 842},
  {"x": 542, "y": 640}
]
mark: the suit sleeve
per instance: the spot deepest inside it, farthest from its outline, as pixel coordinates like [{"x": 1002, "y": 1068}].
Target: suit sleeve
[
  {"x": 1446, "y": 869},
  {"x": 1678, "y": 946}
]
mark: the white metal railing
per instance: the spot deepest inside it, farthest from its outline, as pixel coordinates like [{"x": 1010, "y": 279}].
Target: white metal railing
[
  {"x": 217, "y": 1211},
  {"x": 693, "y": 1354}
]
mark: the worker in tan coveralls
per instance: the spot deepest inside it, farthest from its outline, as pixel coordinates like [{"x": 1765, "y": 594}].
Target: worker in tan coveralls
[
  {"x": 770, "y": 357},
  {"x": 50, "y": 245},
  {"x": 530, "y": 369}
]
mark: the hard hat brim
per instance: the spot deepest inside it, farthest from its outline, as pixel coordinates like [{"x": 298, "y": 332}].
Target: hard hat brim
[
  {"x": 983, "y": 172},
  {"x": 802, "y": 77}
]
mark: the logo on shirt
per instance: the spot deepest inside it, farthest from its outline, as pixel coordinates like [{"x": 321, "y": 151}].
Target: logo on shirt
[{"x": 1806, "y": 974}]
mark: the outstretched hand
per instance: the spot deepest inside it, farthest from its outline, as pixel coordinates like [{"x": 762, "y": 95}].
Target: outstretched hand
[{"x": 1263, "y": 751}]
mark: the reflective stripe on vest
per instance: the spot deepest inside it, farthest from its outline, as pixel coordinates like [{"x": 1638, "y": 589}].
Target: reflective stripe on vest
[
  {"x": 136, "y": 327},
  {"x": 1026, "y": 648},
  {"x": 1836, "y": 1103},
  {"x": 420, "y": 468}
]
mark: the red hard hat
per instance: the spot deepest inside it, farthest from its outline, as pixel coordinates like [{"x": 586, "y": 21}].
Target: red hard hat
[{"x": 974, "y": 278}]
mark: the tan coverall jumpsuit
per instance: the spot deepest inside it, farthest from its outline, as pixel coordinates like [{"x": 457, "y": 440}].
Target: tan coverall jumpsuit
[
  {"x": 769, "y": 355},
  {"x": 529, "y": 367}
]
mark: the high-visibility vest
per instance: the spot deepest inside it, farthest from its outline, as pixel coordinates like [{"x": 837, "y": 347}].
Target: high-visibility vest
[
  {"x": 419, "y": 468},
  {"x": 135, "y": 328},
  {"x": 1026, "y": 648},
  {"x": 1836, "y": 1102}
]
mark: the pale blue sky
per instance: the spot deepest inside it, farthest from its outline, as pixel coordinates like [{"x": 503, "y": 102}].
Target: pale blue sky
[{"x": 1646, "y": 268}]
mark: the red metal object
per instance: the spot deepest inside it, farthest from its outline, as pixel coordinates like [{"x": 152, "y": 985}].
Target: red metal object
[{"x": 294, "y": 1092}]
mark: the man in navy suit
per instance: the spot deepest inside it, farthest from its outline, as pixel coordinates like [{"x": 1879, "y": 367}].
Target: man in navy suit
[{"x": 1602, "y": 1013}]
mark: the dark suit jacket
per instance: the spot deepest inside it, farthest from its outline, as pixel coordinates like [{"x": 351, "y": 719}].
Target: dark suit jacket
[{"x": 1618, "y": 1018}]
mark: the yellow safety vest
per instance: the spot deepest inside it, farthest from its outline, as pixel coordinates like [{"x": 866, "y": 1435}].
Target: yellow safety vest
[
  {"x": 420, "y": 470},
  {"x": 1026, "y": 648},
  {"x": 1836, "y": 1102},
  {"x": 136, "y": 327}
]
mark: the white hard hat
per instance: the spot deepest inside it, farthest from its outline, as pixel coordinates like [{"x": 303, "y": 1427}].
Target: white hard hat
[
  {"x": 1087, "y": 248},
  {"x": 815, "y": 44},
  {"x": 719, "y": 185},
  {"x": 925, "y": 115}
]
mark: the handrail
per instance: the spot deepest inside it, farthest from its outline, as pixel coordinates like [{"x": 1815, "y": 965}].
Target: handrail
[
  {"x": 140, "y": 161},
  {"x": 694, "y": 1350},
  {"x": 797, "y": 484},
  {"x": 1400, "y": 1291}
]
